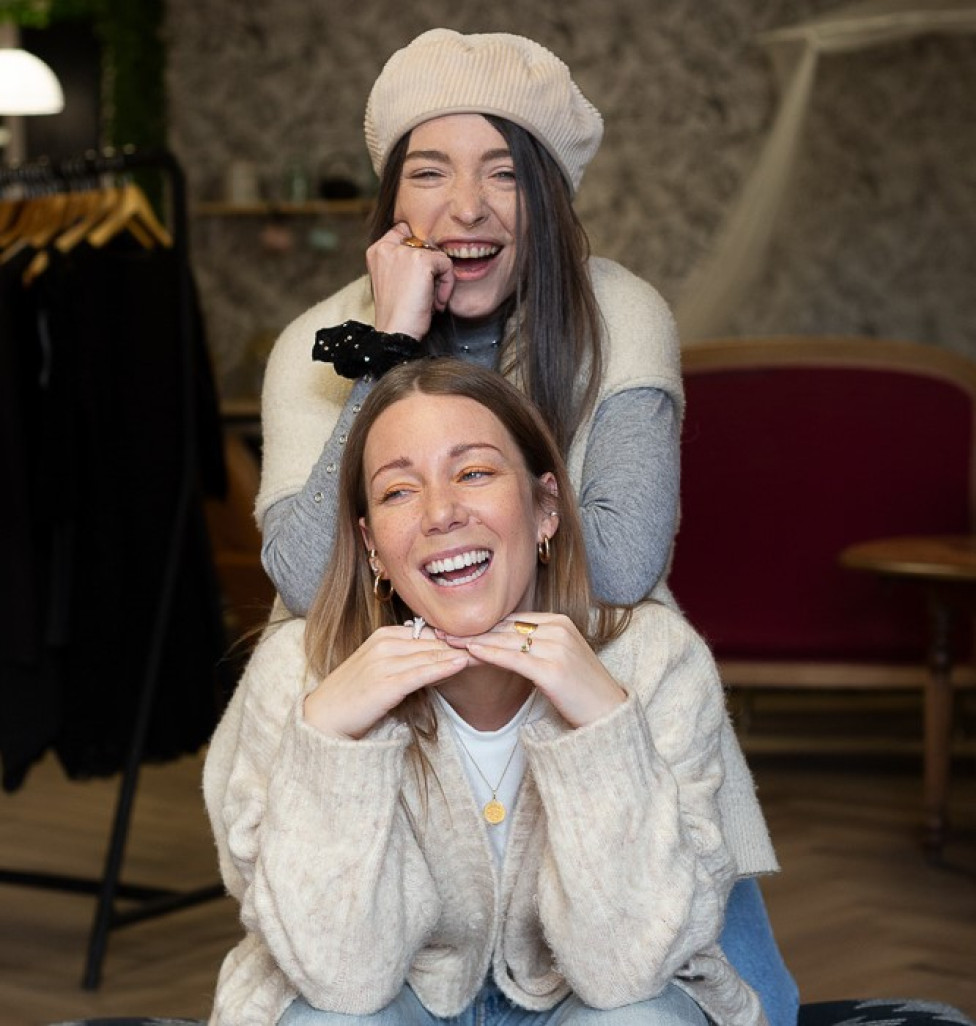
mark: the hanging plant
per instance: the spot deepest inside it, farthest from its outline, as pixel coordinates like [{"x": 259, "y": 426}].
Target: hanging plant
[{"x": 134, "y": 70}]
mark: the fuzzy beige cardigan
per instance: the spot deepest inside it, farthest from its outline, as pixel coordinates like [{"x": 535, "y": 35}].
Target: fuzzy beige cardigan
[{"x": 353, "y": 879}]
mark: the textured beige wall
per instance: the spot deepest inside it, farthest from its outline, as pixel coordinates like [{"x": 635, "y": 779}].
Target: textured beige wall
[{"x": 878, "y": 235}]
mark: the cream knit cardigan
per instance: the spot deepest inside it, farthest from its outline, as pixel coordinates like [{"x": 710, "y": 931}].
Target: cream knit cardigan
[{"x": 353, "y": 879}]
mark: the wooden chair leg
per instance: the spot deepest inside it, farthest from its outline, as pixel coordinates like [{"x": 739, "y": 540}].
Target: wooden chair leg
[{"x": 938, "y": 726}]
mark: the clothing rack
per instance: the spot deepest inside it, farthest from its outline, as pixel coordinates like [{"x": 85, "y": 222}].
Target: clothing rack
[{"x": 145, "y": 902}]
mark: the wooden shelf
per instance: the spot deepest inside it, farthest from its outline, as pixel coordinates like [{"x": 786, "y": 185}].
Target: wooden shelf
[
  {"x": 312, "y": 208},
  {"x": 240, "y": 409}
]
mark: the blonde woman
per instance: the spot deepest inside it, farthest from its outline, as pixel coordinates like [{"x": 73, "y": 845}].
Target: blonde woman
[{"x": 463, "y": 789}]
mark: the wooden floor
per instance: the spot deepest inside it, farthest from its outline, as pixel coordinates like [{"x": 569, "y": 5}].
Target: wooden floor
[{"x": 858, "y": 910}]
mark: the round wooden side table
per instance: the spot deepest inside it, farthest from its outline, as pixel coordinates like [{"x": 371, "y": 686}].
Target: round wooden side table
[{"x": 944, "y": 566}]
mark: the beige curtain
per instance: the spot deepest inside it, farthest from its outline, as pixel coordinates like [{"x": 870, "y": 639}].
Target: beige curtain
[{"x": 716, "y": 286}]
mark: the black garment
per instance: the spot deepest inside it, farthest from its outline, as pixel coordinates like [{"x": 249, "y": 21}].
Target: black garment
[
  {"x": 109, "y": 443},
  {"x": 29, "y": 692}
]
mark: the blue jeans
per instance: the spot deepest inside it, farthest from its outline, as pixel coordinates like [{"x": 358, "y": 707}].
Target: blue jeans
[
  {"x": 748, "y": 942},
  {"x": 491, "y": 1008}
]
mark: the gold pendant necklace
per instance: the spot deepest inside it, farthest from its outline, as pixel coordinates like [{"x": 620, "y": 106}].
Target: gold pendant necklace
[{"x": 493, "y": 810}]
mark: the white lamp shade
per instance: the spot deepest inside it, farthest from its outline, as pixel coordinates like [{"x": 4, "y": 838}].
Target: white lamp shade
[{"x": 27, "y": 85}]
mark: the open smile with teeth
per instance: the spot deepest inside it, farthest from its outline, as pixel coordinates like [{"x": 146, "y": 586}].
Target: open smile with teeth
[
  {"x": 459, "y": 569},
  {"x": 472, "y": 252}
]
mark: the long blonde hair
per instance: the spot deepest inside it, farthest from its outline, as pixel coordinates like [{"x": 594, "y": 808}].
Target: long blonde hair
[{"x": 345, "y": 611}]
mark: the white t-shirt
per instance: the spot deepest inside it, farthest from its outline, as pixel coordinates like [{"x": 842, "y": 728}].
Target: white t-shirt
[{"x": 498, "y": 755}]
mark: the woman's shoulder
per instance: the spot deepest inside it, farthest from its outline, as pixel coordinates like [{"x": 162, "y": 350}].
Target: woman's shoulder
[
  {"x": 641, "y": 337},
  {"x": 657, "y": 636},
  {"x": 353, "y": 302},
  {"x": 301, "y": 399},
  {"x": 272, "y": 679},
  {"x": 280, "y": 653},
  {"x": 613, "y": 283}
]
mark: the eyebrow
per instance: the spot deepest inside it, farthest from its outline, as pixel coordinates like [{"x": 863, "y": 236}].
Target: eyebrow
[
  {"x": 404, "y": 462},
  {"x": 439, "y": 156}
]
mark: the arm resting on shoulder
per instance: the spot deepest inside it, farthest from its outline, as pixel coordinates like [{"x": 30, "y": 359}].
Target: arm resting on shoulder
[
  {"x": 629, "y": 493},
  {"x": 298, "y": 531}
]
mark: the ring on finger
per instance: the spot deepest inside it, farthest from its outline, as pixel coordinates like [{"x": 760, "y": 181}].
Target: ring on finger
[
  {"x": 526, "y": 627},
  {"x": 527, "y": 644},
  {"x": 418, "y": 625},
  {"x": 415, "y": 242}
]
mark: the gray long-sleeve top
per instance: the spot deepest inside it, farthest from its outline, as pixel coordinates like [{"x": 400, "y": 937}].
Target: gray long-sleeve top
[{"x": 628, "y": 497}]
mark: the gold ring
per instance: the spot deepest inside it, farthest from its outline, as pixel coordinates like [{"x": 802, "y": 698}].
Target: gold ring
[
  {"x": 527, "y": 644},
  {"x": 525, "y": 626},
  {"x": 417, "y": 243}
]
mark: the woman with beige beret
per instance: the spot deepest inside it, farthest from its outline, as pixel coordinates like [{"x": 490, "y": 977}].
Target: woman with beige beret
[{"x": 480, "y": 143}]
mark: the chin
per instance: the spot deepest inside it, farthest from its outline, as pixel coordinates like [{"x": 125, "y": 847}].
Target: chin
[
  {"x": 473, "y": 307},
  {"x": 464, "y": 626}
]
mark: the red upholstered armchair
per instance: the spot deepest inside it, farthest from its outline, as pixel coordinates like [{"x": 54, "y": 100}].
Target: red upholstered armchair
[{"x": 793, "y": 449}]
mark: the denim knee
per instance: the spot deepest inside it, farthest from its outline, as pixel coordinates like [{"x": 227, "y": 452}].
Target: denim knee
[{"x": 750, "y": 946}]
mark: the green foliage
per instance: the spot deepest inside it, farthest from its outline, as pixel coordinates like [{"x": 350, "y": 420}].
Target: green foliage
[
  {"x": 30, "y": 13},
  {"x": 131, "y": 35},
  {"x": 133, "y": 56}
]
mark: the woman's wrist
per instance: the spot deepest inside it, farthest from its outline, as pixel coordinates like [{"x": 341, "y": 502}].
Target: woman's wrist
[{"x": 356, "y": 349}]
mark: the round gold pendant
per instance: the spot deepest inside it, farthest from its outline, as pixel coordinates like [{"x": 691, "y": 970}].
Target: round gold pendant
[{"x": 494, "y": 812}]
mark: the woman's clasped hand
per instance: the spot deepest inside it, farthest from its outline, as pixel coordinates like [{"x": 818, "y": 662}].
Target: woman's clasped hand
[
  {"x": 389, "y": 665},
  {"x": 561, "y": 664},
  {"x": 410, "y": 282}
]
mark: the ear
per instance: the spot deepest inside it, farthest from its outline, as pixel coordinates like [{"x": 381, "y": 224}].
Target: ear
[
  {"x": 367, "y": 534},
  {"x": 548, "y": 516}
]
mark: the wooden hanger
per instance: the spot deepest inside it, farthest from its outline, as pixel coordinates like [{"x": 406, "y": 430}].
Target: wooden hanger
[
  {"x": 9, "y": 209},
  {"x": 38, "y": 217},
  {"x": 100, "y": 203},
  {"x": 49, "y": 216},
  {"x": 134, "y": 214}
]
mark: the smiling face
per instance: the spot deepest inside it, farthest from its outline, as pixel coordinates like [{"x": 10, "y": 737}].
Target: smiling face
[
  {"x": 452, "y": 512},
  {"x": 458, "y": 190}
]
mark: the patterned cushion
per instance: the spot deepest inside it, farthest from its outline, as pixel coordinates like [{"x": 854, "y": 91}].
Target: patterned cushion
[
  {"x": 131, "y": 1022},
  {"x": 881, "y": 1012}
]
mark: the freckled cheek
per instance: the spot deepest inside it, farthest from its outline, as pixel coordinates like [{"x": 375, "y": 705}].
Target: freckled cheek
[{"x": 418, "y": 214}]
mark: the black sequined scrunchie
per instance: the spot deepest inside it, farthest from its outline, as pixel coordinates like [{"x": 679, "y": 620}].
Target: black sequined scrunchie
[{"x": 356, "y": 349}]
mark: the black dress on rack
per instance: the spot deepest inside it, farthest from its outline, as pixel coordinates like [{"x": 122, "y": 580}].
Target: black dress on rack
[{"x": 98, "y": 343}]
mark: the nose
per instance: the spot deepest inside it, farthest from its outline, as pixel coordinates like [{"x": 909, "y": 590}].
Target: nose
[
  {"x": 468, "y": 205},
  {"x": 443, "y": 511}
]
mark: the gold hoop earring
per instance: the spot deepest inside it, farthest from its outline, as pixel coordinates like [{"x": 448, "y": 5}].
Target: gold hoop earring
[
  {"x": 544, "y": 549},
  {"x": 379, "y": 593}
]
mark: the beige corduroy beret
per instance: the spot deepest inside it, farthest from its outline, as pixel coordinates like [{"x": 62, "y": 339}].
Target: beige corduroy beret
[{"x": 444, "y": 72}]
